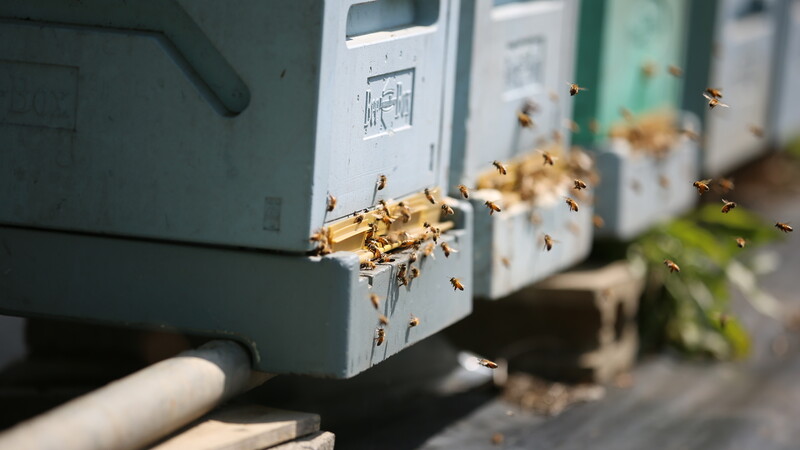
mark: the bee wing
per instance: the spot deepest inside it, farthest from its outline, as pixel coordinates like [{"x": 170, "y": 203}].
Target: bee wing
[
  {"x": 708, "y": 97},
  {"x": 706, "y": 181},
  {"x": 719, "y": 103}
]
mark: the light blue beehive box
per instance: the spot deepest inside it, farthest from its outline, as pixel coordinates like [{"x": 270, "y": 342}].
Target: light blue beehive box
[{"x": 785, "y": 119}]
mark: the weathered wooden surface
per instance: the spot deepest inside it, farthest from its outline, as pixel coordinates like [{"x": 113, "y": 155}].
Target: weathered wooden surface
[
  {"x": 247, "y": 427},
  {"x": 321, "y": 440}
]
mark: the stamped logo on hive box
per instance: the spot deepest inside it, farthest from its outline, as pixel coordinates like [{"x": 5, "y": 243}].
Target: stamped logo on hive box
[
  {"x": 388, "y": 102},
  {"x": 524, "y": 65},
  {"x": 39, "y": 95}
]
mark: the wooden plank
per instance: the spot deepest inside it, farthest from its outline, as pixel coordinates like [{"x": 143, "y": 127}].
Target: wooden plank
[
  {"x": 321, "y": 440},
  {"x": 246, "y": 427}
]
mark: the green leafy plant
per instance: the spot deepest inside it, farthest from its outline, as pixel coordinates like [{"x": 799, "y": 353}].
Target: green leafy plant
[{"x": 688, "y": 310}]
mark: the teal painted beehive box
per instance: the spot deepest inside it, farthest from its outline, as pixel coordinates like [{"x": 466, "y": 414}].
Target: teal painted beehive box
[
  {"x": 731, "y": 47},
  {"x": 156, "y": 154},
  {"x": 630, "y": 54},
  {"x": 512, "y": 54}
]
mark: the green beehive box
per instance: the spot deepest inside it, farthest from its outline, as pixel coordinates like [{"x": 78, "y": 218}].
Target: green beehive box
[{"x": 618, "y": 40}]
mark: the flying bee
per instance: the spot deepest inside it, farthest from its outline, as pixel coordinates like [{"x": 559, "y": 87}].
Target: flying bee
[
  {"x": 376, "y": 301},
  {"x": 447, "y": 250},
  {"x": 456, "y": 284},
  {"x": 384, "y": 207},
  {"x": 381, "y": 182},
  {"x": 500, "y": 167},
  {"x": 574, "y": 228},
  {"x": 525, "y": 121},
  {"x": 785, "y": 227},
  {"x": 594, "y": 126},
  {"x": 663, "y": 181},
  {"x": 412, "y": 257},
  {"x": 702, "y": 186},
  {"x": 429, "y": 196},
  {"x": 492, "y": 207},
  {"x": 387, "y": 219},
  {"x": 573, "y": 205},
  {"x": 598, "y": 221},
  {"x": 405, "y": 212},
  {"x": 447, "y": 210},
  {"x": 725, "y": 185},
  {"x": 689, "y": 133},
  {"x": 741, "y": 242},
  {"x": 530, "y": 107},
  {"x": 401, "y": 275},
  {"x": 428, "y": 250},
  {"x": 579, "y": 184},
  {"x": 675, "y": 71},
  {"x": 714, "y": 92},
  {"x": 413, "y": 322},
  {"x": 572, "y": 126},
  {"x": 383, "y": 319},
  {"x": 727, "y": 206},
  {"x": 574, "y": 89},
  {"x": 415, "y": 273},
  {"x": 436, "y": 233},
  {"x": 671, "y": 266},
  {"x": 464, "y": 191},
  {"x": 557, "y": 136},
  {"x": 553, "y": 96},
  {"x": 713, "y": 102},
  {"x": 487, "y": 363},
  {"x": 757, "y": 131},
  {"x": 649, "y": 69},
  {"x": 548, "y": 242},
  {"x": 548, "y": 158},
  {"x": 381, "y": 337},
  {"x": 627, "y": 114},
  {"x": 331, "y": 202},
  {"x": 368, "y": 265}
]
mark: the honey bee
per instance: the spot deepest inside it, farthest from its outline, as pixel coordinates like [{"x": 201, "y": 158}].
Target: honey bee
[
  {"x": 492, "y": 207},
  {"x": 713, "y": 102},
  {"x": 663, "y": 181},
  {"x": 579, "y": 184},
  {"x": 741, "y": 242},
  {"x": 626, "y": 114},
  {"x": 672, "y": 266},
  {"x": 381, "y": 182},
  {"x": 689, "y": 133},
  {"x": 376, "y": 301},
  {"x": 382, "y": 240},
  {"x": 412, "y": 257},
  {"x": 594, "y": 126},
  {"x": 524, "y": 120},
  {"x": 386, "y": 259},
  {"x": 487, "y": 363},
  {"x": 401, "y": 275},
  {"x": 757, "y": 131},
  {"x": 553, "y": 96},
  {"x": 428, "y": 250},
  {"x": 429, "y": 196},
  {"x": 785, "y": 227},
  {"x": 497, "y": 438},
  {"x": 548, "y": 242},
  {"x": 384, "y": 207},
  {"x": 714, "y": 92},
  {"x": 456, "y": 284},
  {"x": 415, "y": 273},
  {"x": 413, "y": 322},
  {"x": 376, "y": 252},
  {"x": 405, "y": 211},
  {"x": 725, "y": 185},
  {"x": 381, "y": 337},
  {"x": 535, "y": 218},
  {"x": 500, "y": 167},
  {"x": 436, "y": 232},
  {"x": 572, "y": 126},
  {"x": 383, "y": 319},
  {"x": 727, "y": 206},
  {"x": 368, "y": 265},
  {"x": 464, "y": 191},
  {"x": 573, "y": 205},
  {"x": 702, "y": 186},
  {"x": 359, "y": 218},
  {"x": 506, "y": 262},
  {"x": 557, "y": 136},
  {"x": 373, "y": 228},
  {"x": 530, "y": 107},
  {"x": 574, "y": 228},
  {"x": 548, "y": 158},
  {"x": 574, "y": 89},
  {"x": 675, "y": 71},
  {"x": 387, "y": 219},
  {"x": 649, "y": 69},
  {"x": 598, "y": 221},
  {"x": 447, "y": 250},
  {"x": 447, "y": 210},
  {"x": 331, "y": 202}
]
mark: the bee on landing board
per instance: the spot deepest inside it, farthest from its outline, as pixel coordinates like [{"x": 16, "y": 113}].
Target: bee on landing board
[
  {"x": 574, "y": 89},
  {"x": 727, "y": 206},
  {"x": 741, "y": 242},
  {"x": 381, "y": 182},
  {"x": 464, "y": 191},
  {"x": 447, "y": 250},
  {"x": 381, "y": 337},
  {"x": 415, "y": 273},
  {"x": 492, "y": 207},
  {"x": 713, "y": 102},
  {"x": 579, "y": 184},
  {"x": 573, "y": 205},
  {"x": 456, "y": 284},
  {"x": 331, "y": 202},
  {"x": 500, "y": 167},
  {"x": 368, "y": 265},
  {"x": 447, "y": 211},
  {"x": 785, "y": 227},
  {"x": 412, "y": 257},
  {"x": 671, "y": 266},
  {"x": 401, "y": 275},
  {"x": 359, "y": 218},
  {"x": 429, "y": 196},
  {"x": 487, "y": 363},
  {"x": 702, "y": 186},
  {"x": 413, "y": 322},
  {"x": 405, "y": 211}
]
